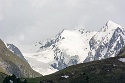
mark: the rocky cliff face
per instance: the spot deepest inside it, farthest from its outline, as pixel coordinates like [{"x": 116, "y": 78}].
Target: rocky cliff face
[
  {"x": 10, "y": 63},
  {"x": 15, "y": 50},
  {"x": 107, "y": 42}
]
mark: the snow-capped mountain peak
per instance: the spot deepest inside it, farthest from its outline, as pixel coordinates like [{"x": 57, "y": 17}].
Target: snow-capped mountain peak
[
  {"x": 109, "y": 26},
  {"x": 71, "y": 47},
  {"x": 112, "y": 24},
  {"x": 107, "y": 42}
]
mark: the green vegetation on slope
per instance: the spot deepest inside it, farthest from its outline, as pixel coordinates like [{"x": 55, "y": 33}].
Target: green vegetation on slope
[
  {"x": 2, "y": 76},
  {"x": 14, "y": 79},
  {"x": 109, "y": 70}
]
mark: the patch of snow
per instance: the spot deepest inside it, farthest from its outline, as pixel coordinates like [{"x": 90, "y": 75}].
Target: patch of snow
[
  {"x": 122, "y": 59},
  {"x": 65, "y": 76},
  {"x": 114, "y": 65},
  {"x": 5, "y": 44},
  {"x": 11, "y": 81}
]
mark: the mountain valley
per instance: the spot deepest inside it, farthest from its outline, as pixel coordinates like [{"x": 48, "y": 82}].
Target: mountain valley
[{"x": 72, "y": 56}]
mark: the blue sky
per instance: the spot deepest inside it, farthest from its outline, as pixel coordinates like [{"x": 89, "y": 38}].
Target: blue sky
[{"x": 26, "y": 21}]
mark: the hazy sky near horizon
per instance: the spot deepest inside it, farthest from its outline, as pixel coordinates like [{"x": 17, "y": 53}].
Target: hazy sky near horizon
[{"x": 26, "y": 21}]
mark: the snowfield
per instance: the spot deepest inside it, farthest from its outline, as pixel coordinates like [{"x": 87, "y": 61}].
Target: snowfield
[{"x": 39, "y": 64}]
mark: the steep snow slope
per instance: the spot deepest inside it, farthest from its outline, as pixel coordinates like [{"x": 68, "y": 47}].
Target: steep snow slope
[
  {"x": 71, "y": 47},
  {"x": 66, "y": 49}
]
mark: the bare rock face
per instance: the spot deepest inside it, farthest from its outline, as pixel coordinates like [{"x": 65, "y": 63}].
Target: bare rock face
[{"x": 15, "y": 50}]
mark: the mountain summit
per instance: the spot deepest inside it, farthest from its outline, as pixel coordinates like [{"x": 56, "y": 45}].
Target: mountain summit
[{"x": 71, "y": 47}]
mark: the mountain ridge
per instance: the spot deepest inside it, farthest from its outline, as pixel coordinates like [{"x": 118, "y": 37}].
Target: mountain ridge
[
  {"x": 71, "y": 47},
  {"x": 11, "y": 63},
  {"x": 15, "y": 50}
]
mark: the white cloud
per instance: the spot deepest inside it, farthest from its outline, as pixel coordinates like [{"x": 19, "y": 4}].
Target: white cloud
[
  {"x": 31, "y": 20},
  {"x": 5, "y": 5},
  {"x": 38, "y": 3},
  {"x": 1, "y": 15},
  {"x": 72, "y": 3}
]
